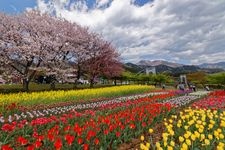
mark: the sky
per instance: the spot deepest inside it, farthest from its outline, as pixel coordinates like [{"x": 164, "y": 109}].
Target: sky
[{"x": 182, "y": 31}]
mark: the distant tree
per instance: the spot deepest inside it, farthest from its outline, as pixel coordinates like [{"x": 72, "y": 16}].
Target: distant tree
[
  {"x": 127, "y": 76},
  {"x": 161, "y": 78},
  {"x": 102, "y": 59},
  {"x": 146, "y": 78},
  {"x": 113, "y": 70},
  {"x": 217, "y": 78},
  {"x": 197, "y": 77}
]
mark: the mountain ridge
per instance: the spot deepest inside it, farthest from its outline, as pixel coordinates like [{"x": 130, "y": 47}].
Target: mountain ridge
[
  {"x": 161, "y": 66},
  {"x": 220, "y": 65}
]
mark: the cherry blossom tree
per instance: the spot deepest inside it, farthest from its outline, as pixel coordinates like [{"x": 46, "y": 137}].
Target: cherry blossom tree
[
  {"x": 27, "y": 42},
  {"x": 33, "y": 42},
  {"x": 102, "y": 59}
]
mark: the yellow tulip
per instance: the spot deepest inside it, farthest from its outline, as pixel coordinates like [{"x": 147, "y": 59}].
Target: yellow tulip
[
  {"x": 184, "y": 146},
  {"x": 171, "y": 132},
  {"x": 202, "y": 137},
  {"x": 200, "y": 130},
  {"x": 207, "y": 142},
  {"x": 197, "y": 135},
  {"x": 159, "y": 148},
  {"x": 221, "y": 136},
  {"x": 193, "y": 137},
  {"x": 172, "y": 143},
  {"x": 222, "y": 124},
  {"x": 210, "y": 136},
  {"x": 143, "y": 147},
  {"x": 197, "y": 126},
  {"x": 181, "y": 139},
  {"x": 186, "y": 127},
  {"x": 221, "y": 144},
  {"x": 142, "y": 138},
  {"x": 150, "y": 130},
  {"x": 178, "y": 125},
  {"x": 188, "y": 142},
  {"x": 199, "y": 122},
  {"x": 219, "y": 130},
  {"x": 216, "y": 133},
  {"x": 169, "y": 148},
  {"x": 148, "y": 145},
  {"x": 186, "y": 135},
  {"x": 219, "y": 148},
  {"x": 210, "y": 126},
  {"x": 157, "y": 144}
]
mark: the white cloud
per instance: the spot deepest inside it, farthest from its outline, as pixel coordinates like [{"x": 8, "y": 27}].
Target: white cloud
[
  {"x": 190, "y": 31},
  {"x": 101, "y": 3}
]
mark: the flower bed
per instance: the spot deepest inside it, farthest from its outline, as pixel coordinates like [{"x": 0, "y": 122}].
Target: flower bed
[
  {"x": 182, "y": 100},
  {"x": 95, "y": 131},
  {"x": 71, "y": 95},
  {"x": 200, "y": 93},
  {"x": 193, "y": 128},
  {"x": 215, "y": 100},
  {"x": 91, "y": 105}
]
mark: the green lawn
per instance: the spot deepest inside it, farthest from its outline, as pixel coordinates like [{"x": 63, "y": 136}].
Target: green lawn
[{"x": 34, "y": 87}]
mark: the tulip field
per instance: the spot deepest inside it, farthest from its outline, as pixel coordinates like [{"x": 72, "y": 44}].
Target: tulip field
[
  {"x": 201, "y": 125},
  {"x": 124, "y": 117}
]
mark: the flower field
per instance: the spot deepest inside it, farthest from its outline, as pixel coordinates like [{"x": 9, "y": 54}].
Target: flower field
[
  {"x": 200, "y": 126},
  {"x": 154, "y": 119},
  {"x": 106, "y": 126},
  {"x": 47, "y": 98}
]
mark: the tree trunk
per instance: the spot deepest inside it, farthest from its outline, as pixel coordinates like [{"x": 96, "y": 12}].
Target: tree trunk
[
  {"x": 91, "y": 83},
  {"x": 26, "y": 84},
  {"x": 78, "y": 76},
  {"x": 115, "y": 82},
  {"x": 52, "y": 85}
]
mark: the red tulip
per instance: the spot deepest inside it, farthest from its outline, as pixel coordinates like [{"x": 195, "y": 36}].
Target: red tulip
[
  {"x": 37, "y": 144},
  {"x": 30, "y": 147},
  {"x": 96, "y": 141},
  {"x": 80, "y": 140},
  {"x": 106, "y": 132},
  {"x": 69, "y": 139},
  {"x": 118, "y": 134},
  {"x": 6, "y": 147},
  {"x": 143, "y": 124},
  {"x": 40, "y": 138},
  {"x": 58, "y": 144},
  {"x": 22, "y": 140},
  {"x": 86, "y": 147},
  {"x": 67, "y": 128},
  {"x": 8, "y": 127},
  {"x": 132, "y": 126},
  {"x": 51, "y": 137}
]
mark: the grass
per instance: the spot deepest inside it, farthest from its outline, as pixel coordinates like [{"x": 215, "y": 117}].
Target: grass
[{"x": 34, "y": 87}]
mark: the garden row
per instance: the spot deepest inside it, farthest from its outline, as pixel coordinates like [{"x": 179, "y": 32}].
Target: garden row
[
  {"x": 106, "y": 126},
  {"x": 102, "y": 124},
  {"x": 200, "y": 126},
  {"x": 58, "y": 109},
  {"x": 37, "y": 100}
]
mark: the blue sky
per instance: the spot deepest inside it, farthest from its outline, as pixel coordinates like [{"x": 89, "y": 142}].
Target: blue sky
[
  {"x": 174, "y": 30},
  {"x": 15, "y": 6},
  {"x": 18, "y": 6}
]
